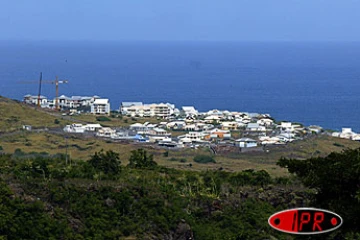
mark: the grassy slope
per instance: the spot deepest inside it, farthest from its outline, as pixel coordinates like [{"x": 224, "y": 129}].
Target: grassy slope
[
  {"x": 13, "y": 115},
  {"x": 114, "y": 121},
  {"x": 83, "y": 148}
]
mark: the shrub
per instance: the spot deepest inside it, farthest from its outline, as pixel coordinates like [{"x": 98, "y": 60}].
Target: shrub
[
  {"x": 338, "y": 145},
  {"x": 140, "y": 159},
  {"x": 108, "y": 162},
  {"x": 56, "y": 121},
  {"x": 18, "y": 152},
  {"x": 183, "y": 160},
  {"x": 103, "y": 119},
  {"x": 204, "y": 159}
]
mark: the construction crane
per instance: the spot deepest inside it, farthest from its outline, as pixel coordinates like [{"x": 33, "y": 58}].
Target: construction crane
[
  {"x": 56, "y": 82},
  {"x": 39, "y": 93}
]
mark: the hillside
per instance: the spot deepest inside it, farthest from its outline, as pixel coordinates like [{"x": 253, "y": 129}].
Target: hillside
[
  {"x": 14, "y": 114},
  {"x": 45, "y": 197},
  {"x": 104, "y": 190}
]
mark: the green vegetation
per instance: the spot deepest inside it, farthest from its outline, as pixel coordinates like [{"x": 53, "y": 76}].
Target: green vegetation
[
  {"x": 13, "y": 115},
  {"x": 183, "y": 160},
  {"x": 336, "y": 179},
  {"x": 45, "y": 196},
  {"x": 103, "y": 119},
  {"x": 166, "y": 154},
  {"x": 140, "y": 159},
  {"x": 79, "y": 188},
  {"x": 204, "y": 159},
  {"x": 108, "y": 163},
  {"x": 338, "y": 144}
]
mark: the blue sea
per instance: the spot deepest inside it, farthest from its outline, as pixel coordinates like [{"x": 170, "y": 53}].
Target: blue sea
[{"x": 311, "y": 83}]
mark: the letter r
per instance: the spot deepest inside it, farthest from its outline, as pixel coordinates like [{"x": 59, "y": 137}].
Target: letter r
[{"x": 318, "y": 218}]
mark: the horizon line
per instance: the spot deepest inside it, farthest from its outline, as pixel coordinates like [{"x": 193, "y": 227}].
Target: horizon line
[{"x": 172, "y": 41}]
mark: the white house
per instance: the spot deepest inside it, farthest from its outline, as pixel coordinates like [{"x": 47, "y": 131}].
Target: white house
[
  {"x": 229, "y": 125},
  {"x": 175, "y": 125},
  {"x": 100, "y": 106},
  {"x": 198, "y": 126},
  {"x": 92, "y": 127},
  {"x": 142, "y": 128},
  {"x": 106, "y": 132},
  {"x": 347, "y": 133},
  {"x": 356, "y": 137},
  {"x": 212, "y": 118},
  {"x": 29, "y": 99},
  {"x": 315, "y": 129},
  {"x": 185, "y": 140},
  {"x": 27, "y": 127},
  {"x": 74, "y": 128},
  {"x": 285, "y": 137},
  {"x": 286, "y": 127},
  {"x": 214, "y": 112},
  {"x": 190, "y": 111},
  {"x": 159, "y": 132},
  {"x": 265, "y": 140},
  {"x": 194, "y": 136},
  {"x": 255, "y": 127},
  {"x": 265, "y": 122},
  {"x": 246, "y": 142},
  {"x": 124, "y": 107}
]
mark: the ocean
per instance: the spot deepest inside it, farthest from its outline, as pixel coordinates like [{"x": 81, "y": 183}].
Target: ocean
[{"x": 310, "y": 83}]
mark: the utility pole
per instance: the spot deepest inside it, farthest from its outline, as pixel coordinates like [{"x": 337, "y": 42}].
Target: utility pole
[{"x": 66, "y": 151}]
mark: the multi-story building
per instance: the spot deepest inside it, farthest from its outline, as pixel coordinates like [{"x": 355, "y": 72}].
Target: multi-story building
[
  {"x": 138, "y": 109},
  {"x": 130, "y": 108},
  {"x": 64, "y": 102},
  {"x": 100, "y": 106},
  {"x": 29, "y": 99}
]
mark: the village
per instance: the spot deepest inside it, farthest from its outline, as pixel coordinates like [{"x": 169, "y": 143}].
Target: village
[{"x": 185, "y": 126}]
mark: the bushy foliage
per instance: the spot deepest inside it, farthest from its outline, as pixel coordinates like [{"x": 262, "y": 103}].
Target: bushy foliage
[
  {"x": 337, "y": 181},
  {"x": 29, "y": 220},
  {"x": 108, "y": 162},
  {"x": 183, "y": 160},
  {"x": 204, "y": 159},
  {"x": 45, "y": 198},
  {"x": 251, "y": 177},
  {"x": 140, "y": 159},
  {"x": 103, "y": 119}
]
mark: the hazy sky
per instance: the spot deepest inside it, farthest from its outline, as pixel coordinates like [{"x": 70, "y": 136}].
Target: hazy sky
[{"x": 234, "y": 20}]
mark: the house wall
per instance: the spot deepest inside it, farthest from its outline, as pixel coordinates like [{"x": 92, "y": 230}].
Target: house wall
[{"x": 247, "y": 144}]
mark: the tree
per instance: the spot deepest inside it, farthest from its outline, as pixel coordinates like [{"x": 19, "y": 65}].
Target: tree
[
  {"x": 108, "y": 162},
  {"x": 336, "y": 179},
  {"x": 140, "y": 159}
]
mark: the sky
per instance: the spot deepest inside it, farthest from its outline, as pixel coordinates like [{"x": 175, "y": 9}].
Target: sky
[{"x": 182, "y": 20}]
